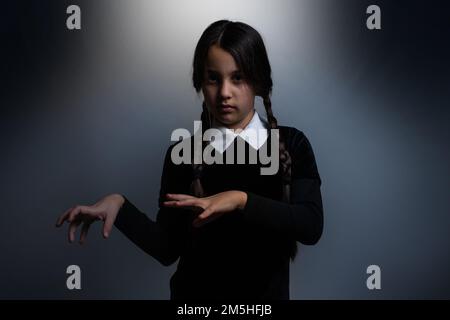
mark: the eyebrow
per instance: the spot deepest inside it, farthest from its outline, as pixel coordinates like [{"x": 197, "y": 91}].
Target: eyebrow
[{"x": 214, "y": 71}]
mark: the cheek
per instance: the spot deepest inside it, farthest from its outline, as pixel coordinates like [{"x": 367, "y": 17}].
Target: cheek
[
  {"x": 247, "y": 98},
  {"x": 209, "y": 93}
]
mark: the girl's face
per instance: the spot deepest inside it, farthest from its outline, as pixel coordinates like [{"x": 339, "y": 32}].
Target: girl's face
[{"x": 228, "y": 96}]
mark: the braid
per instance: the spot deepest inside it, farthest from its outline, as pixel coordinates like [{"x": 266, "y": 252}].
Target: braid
[
  {"x": 285, "y": 162},
  {"x": 285, "y": 157},
  {"x": 196, "y": 187}
]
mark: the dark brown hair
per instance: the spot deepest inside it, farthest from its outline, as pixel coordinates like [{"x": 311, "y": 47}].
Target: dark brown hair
[{"x": 247, "y": 48}]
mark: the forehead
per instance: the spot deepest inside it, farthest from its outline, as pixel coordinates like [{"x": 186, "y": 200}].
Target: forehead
[{"x": 220, "y": 61}]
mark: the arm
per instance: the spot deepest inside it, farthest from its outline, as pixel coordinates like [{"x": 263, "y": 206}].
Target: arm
[
  {"x": 164, "y": 238},
  {"x": 302, "y": 218}
]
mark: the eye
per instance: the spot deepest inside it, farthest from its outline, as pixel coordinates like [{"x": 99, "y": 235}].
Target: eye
[
  {"x": 237, "y": 77},
  {"x": 212, "y": 78}
]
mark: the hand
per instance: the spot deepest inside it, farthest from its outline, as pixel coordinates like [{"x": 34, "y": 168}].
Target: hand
[
  {"x": 105, "y": 209},
  {"x": 212, "y": 207}
]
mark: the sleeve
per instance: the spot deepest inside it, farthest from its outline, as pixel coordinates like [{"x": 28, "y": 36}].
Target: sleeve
[
  {"x": 302, "y": 218},
  {"x": 163, "y": 239}
]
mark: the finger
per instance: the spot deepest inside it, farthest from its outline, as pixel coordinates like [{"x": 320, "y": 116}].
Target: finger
[
  {"x": 179, "y": 203},
  {"x": 84, "y": 232},
  {"x": 72, "y": 228},
  {"x": 63, "y": 217},
  {"x": 107, "y": 226},
  {"x": 170, "y": 203},
  {"x": 81, "y": 210},
  {"x": 197, "y": 208},
  {"x": 203, "y": 218},
  {"x": 207, "y": 213},
  {"x": 172, "y": 196},
  {"x": 195, "y": 202},
  {"x": 179, "y": 196}
]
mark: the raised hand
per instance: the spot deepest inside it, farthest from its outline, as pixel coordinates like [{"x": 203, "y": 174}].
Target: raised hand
[{"x": 210, "y": 208}]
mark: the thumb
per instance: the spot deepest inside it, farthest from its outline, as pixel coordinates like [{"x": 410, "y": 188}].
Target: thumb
[{"x": 107, "y": 226}]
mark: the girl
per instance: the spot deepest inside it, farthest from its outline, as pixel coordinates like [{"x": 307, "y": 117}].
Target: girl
[{"x": 233, "y": 230}]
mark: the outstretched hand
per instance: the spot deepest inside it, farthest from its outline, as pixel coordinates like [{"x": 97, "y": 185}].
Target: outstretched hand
[
  {"x": 105, "y": 210},
  {"x": 211, "y": 207}
]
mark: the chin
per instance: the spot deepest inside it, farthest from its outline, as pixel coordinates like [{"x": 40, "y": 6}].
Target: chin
[{"x": 226, "y": 119}]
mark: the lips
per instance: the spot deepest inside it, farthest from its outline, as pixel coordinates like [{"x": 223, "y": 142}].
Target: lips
[{"x": 226, "y": 108}]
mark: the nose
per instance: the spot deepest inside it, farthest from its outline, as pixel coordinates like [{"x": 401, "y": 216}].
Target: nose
[{"x": 225, "y": 90}]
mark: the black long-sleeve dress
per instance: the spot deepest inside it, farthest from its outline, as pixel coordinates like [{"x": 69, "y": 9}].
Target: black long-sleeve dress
[{"x": 243, "y": 254}]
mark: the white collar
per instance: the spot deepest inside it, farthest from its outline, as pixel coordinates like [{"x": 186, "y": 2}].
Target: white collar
[{"x": 255, "y": 133}]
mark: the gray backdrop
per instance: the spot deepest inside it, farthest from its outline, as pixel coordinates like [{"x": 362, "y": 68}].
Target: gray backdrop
[{"x": 87, "y": 113}]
